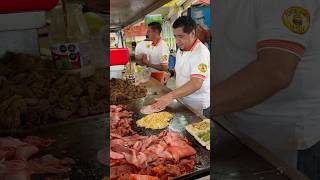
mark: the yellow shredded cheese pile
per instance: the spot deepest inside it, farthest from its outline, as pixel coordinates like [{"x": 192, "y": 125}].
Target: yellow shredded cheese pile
[{"x": 155, "y": 120}]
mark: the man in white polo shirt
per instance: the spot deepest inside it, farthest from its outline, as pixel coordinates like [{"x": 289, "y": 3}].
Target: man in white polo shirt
[
  {"x": 141, "y": 49},
  {"x": 192, "y": 69},
  {"x": 266, "y": 75},
  {"x": 157, "y": 53}
]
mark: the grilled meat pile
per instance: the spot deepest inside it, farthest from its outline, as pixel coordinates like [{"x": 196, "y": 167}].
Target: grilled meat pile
[
  {"x": 33, "y": 92},
  {"x": 122, "y": 90}
]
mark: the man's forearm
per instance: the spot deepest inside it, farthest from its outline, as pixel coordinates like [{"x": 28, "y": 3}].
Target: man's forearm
[
  {"x": 158, "y": 67},
  {"x": 186, "y": 89},
  {"x": 252, "y": 85}
]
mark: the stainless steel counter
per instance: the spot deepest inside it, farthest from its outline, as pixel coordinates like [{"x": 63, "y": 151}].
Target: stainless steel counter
[{"x": 237, "y": 156}]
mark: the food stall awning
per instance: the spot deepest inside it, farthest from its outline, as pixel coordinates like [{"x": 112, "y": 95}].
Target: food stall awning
[{"x": 124, "y": 12}]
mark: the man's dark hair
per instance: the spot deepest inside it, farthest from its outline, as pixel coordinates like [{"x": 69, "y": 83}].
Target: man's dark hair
[
  {"x": 187, "y": 23},
  {"x": 155, "y": 26}
]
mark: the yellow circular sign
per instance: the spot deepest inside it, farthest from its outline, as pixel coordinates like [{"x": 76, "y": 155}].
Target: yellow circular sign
[
  {"x": 202, "y": 68},
  {"x": 297, "y": 19}
]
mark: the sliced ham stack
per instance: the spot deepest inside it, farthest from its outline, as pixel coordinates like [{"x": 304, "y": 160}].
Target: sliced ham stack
[
  {"x": 15, "y": 158},
  {"x": 120, "y": 121},
  {"x": 148, "y": 157}
]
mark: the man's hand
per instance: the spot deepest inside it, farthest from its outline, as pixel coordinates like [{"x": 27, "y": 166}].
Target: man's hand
[
  {"x": 190, "y": 87},
  {"x": 270, "y": 73},
  {"x": 163, "y": 102},
  {"x": 145, "y": 60}
]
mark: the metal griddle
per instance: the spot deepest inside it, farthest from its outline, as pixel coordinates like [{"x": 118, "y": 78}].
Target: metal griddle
[{"x": 182, "y": 116}]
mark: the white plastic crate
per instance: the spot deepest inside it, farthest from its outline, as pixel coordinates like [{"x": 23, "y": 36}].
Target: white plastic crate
[{"x": 18, "y": 32}]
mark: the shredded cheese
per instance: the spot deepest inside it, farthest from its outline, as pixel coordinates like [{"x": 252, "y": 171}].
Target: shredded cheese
[{"x": 155, "y": 120}]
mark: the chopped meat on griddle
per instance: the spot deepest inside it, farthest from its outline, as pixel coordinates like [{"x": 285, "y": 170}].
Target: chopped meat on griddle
[{"x": 122, "y": 90}]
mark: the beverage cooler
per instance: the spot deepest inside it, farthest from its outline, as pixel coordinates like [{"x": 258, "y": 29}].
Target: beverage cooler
[{"x": 119, "y": 57}]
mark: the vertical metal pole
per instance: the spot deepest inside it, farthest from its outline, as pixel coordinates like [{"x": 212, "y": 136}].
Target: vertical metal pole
[{"x": 121, "y": 36}]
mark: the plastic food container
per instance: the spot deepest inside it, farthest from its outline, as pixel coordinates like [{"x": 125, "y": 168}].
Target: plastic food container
[
  {"x": 119, "y": 56},
  {"x": 160, "y": 76},
  {"x": 116, "y": 71},
  {"x": 143, "y": 77}
]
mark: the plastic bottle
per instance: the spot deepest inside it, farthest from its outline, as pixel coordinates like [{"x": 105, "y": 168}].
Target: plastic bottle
[
  {"x": 69, "y": 41},
  {"x": 172, "y": 59}
]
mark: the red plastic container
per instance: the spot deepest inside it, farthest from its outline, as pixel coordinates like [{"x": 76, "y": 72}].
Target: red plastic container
[
  {"x": 119, "y": 56},
  {"x": 15, "y": 6}
]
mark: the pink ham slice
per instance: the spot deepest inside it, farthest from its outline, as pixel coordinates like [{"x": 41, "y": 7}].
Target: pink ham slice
[
  {"x": 50, "y": 164},
  {"x": 7, "y": 153},
  {"x": 14, "y": 170},
  {"x": 25, "y": 152},
  {"x": 14, "y": 154},
  {"x": 179, "y": 152},
  {"x": 18, "y": 175},
  {"x": 174, "y": 139},
  {"x": 12, "y": 148},
  {"x": 120, "y": 149},
  {"x": 137, "y": 146},
  {"x": 138, "y": 159},
  {"x": 11, "y": 142},
  {"x": 114, "y": 162},
  {"x": 115, "y": 155},
  {"x": 116, "y": 116},
  {"x": 39, "y": 142},
  {"x": 22, "y": 170},
  {"x": 120, "y": 172}
]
